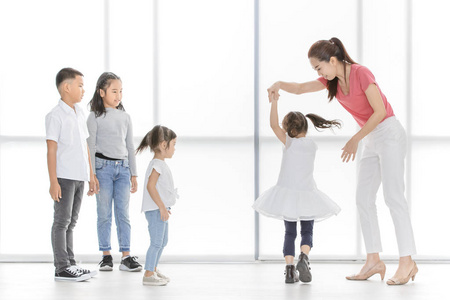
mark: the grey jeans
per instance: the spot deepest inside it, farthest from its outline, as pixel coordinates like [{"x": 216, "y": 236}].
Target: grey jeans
[{"x": 64, "y": 219}]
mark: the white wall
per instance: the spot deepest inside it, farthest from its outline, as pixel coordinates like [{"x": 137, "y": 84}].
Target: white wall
[{"x": 203, "y": 88}]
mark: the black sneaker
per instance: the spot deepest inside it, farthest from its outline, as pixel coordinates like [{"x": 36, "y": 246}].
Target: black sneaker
[
  {"x": 291, "y": 274},
  {"x": 130, "y": 264},
  {"x": 106, "y": 264},
  {"x": 303, "y": 268},
  {"x": 85, "y": 271},
  {"x": 71, "y": 274}
]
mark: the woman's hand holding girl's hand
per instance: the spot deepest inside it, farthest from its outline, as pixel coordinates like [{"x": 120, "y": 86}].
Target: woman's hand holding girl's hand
[
  {"x": 134, "y": 184},
  {"x": 164, "y": 214},
  {"x": 349, "y": 150},
  {"x": 273, "y": 91}
]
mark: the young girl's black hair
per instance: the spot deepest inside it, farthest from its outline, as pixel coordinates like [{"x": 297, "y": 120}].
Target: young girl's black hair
[
  {"x": 295, "y": 123},
  {"x": 103, "y": 83},
  {"x": 323, "y": 50},
  {"x": 154, "y": 137}
]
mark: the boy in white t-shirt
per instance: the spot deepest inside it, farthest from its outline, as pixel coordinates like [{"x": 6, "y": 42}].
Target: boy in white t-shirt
[{"x": 69, "y": 167}]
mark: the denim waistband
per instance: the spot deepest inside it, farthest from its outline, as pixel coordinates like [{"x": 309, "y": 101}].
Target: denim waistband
[{"x": 121, "y": 162}]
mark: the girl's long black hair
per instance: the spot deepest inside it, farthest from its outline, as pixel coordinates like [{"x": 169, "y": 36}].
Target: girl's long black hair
[
  {"x": 96, "y": 104},
  {"x": 295, "y": 123}
]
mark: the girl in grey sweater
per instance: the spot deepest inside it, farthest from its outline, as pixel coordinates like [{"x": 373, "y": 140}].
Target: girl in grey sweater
[{"x": 111, "y": 146}]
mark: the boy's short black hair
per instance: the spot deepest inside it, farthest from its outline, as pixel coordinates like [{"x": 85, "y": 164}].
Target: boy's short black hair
[{"x": 66, "y": 73}]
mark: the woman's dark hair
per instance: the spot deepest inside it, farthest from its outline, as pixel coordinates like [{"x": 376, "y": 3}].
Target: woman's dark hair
[
  {"x": 66, "y": 73},
  {"x": 323, "y": 50},
  {"x": 295, "y": 123},
  {"x": 154, "y": 137},
  {"x": 103, "y": 83}
]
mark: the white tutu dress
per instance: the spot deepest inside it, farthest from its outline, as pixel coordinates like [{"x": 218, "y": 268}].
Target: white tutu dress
[{"x": 296, "y": 197}]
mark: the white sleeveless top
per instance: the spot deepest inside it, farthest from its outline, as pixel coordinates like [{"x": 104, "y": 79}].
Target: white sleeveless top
[
  {"x": 164, "y": 186},
  {"x": 295, "y": 197}
]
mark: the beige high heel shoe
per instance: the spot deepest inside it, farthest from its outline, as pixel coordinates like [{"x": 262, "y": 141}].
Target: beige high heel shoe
[
  {"x": 411, "y": 275},
  {"x": 378, "y": 268}
]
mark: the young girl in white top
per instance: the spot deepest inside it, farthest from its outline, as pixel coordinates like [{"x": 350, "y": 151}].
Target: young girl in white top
[
  {"x": 159, "y": 196},
  {"x": 295, "y": 197}
]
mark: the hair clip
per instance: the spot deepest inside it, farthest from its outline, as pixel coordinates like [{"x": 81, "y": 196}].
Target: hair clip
[{"x": 332, "y": 43}]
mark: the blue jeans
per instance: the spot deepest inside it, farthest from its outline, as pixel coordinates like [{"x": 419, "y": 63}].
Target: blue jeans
[
  {"x": 114, "y": 180},
  {"x": 290, "y": 235},
  {"x": 159, "y": 233}
]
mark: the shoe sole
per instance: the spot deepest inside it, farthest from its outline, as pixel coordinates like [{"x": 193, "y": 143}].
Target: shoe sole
[
  {"x": 154, "y": 283},
  {"x": 106, "y": 268},
  {"x": 76, "y": 279},
  {"x": 125, "y": 268},
  {"x": 92, "y": 273},
  {"x": 305, "y": 273}
]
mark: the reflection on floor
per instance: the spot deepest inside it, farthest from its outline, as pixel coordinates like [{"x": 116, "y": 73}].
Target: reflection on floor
[{"x": 221, "y": 281}]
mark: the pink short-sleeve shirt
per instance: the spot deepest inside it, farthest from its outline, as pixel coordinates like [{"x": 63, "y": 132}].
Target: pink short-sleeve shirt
[{"x": 355, "y": 102}]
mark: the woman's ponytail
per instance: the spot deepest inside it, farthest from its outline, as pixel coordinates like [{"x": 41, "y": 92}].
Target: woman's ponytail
[{"x": 323, "y": 50}]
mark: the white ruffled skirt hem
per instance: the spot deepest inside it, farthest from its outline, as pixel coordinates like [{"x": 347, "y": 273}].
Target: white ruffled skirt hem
[{"x": 295, "y": 205}]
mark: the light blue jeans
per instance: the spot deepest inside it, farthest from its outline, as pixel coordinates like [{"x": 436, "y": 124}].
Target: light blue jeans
[
  {"x": 159, "y": 233},
  {"x": 114, "y": 180}
]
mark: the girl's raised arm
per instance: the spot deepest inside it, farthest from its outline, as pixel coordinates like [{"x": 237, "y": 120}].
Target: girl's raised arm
[
  {"x": 279, "y": 132},
  {"x": 294, "y": 88}
]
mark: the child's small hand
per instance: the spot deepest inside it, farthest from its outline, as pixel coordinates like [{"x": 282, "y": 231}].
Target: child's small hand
[
  {"x": 94, "y": 186},
  {"x": 55, "y": 192},
  {"x": 273, "y": 92},
  {"x": 164, "y": 214},
  {"x": 134, "y": 184}
]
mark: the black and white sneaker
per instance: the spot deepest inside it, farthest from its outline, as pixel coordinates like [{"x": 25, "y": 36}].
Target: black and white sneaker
[
  {"x": 106, "y": 264},
  {"x": 85, "y": 271},
  {"x": 130, "y": 264},
  {"x": 71, "y": 274}
]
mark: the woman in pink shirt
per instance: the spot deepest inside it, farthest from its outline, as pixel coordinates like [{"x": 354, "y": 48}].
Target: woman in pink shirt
[{"x": 382, "y": 161}]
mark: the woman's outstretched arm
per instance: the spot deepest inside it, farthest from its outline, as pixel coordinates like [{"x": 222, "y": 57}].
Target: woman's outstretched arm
[{"x": 294, "y": 88}]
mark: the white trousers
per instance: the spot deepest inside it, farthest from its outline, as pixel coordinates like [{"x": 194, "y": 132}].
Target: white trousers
[{"x": 383, "y": 161}]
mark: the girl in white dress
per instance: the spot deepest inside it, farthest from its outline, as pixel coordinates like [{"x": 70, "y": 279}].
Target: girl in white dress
[{"x": 295, "y": 197}]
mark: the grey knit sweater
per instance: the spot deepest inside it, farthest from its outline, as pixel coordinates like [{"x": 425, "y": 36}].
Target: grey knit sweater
[{"x": 112, "y": 135}]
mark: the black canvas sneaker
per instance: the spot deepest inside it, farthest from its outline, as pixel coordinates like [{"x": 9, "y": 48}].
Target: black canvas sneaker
[
  {"x": 130, "y": 264},
  {"x": 106, "y": 264},
  {"x": 85, "y": 271},
  {"x": 71, "y": 274}
]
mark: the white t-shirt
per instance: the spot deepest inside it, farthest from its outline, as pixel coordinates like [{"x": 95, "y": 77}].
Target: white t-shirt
[
  {"x": 164, "y": 186},
  {"x": 69, "y": 130}
]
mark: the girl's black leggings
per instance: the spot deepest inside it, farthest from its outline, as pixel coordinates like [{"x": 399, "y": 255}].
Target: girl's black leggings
[{"x": 290, "y": 234}]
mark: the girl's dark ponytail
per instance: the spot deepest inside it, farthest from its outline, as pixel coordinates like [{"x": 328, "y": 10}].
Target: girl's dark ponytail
[
  {"x": 96, "y": 104},
  {"x": 323, "y": 50},
  {"x": 154, "y": 137},
  {"x": 320, "y": 122}
]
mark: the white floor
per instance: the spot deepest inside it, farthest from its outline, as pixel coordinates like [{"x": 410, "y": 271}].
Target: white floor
[{"x": 221, "y": 281}]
